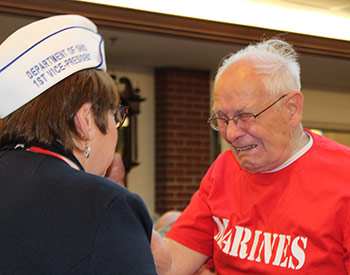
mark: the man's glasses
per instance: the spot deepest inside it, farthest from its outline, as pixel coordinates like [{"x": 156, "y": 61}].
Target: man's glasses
[
  {"x": 241, "y": 120},
  {"x": 120, "y": 115}
]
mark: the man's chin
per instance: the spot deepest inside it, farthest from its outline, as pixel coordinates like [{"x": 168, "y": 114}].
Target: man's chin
[{"x": 250, "y": 167}]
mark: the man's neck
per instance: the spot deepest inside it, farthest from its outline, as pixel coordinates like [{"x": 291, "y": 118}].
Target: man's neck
[
  {"x": 304, "y": 144},
  {"x": 301, "y": 139}
]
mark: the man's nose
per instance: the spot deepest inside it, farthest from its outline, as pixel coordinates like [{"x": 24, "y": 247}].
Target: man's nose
[{"x": 233, "y": 132}]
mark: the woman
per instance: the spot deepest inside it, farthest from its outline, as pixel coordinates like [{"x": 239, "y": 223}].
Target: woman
[{"x": 58, "y": 217}]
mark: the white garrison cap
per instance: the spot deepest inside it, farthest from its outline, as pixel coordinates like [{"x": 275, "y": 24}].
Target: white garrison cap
[{"x": 39, "y": 55}]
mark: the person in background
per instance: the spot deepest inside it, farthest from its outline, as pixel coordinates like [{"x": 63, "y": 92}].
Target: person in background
[
  {"x": 116, "y": 170},
  {"x": 165, "y": 221},
  {"x": 277, "y": 202},
  {"x": 60, "y": 113}
]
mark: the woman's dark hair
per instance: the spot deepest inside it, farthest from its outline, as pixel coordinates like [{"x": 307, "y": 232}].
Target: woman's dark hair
[{"x": 50, "y": 116}]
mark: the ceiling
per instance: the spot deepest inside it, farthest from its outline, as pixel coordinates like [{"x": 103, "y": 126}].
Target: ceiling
[
  {"x": 328, "y": 18},
  {"x": 146, "y": 50},
  {"x": 339, "y": 8},
  {"x": 132, "y": 49}
]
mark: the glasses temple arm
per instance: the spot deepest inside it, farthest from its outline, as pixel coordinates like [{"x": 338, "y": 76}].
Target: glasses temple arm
[{"x": 269, "y": 106}]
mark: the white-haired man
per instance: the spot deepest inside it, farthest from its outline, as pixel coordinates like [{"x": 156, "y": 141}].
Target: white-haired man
[{"x": 278, "y": 202}]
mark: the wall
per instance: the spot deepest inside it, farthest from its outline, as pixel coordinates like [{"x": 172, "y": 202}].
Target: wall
[
  {"x": 327, "y": 109},
  {"x": 182, "y": 136},
  {"x": 188, "y": 161},
  {"x": 141, "y": 179},
  {"x": 323, "y": 109}
]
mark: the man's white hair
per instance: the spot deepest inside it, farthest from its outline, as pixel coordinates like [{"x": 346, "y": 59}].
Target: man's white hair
[{"x": 275, "y": 60}]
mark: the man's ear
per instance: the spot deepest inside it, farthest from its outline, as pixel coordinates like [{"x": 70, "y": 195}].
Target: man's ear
[
  {"x": 84, "y": 121},
  {"x": 295, "y": 105}
]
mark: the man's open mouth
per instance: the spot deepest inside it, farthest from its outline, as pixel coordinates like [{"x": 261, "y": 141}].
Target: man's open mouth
[{"x": 245, "y": 148}]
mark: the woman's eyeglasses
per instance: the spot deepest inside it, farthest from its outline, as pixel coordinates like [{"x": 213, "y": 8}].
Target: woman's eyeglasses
[{"x": 121, "y": 113}]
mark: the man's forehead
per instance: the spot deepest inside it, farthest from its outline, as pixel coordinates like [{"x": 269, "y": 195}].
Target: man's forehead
[
  {"x": 231, "y": 105},
  {"x": 238, "y": 85},
  {"x": 233, "y": 102}
]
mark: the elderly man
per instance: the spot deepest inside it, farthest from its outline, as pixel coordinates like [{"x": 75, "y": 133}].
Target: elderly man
[
  {"x": 116, "y": 170},
  {"x": 278, "y": 202}
]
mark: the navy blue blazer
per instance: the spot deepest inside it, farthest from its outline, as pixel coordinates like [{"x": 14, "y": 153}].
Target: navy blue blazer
[{"x": 58, "y": 220}]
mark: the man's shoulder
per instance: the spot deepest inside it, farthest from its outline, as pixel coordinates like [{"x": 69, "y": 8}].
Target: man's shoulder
[{"x": 335, "y": 149}]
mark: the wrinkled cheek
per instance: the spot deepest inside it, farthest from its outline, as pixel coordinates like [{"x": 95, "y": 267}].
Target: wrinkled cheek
[
  {"x": 113, "y": 134},
  {"x": 116, "y": 138},
  {"x": 223, "y": 134},
  {"x": 114, "y": 142}
]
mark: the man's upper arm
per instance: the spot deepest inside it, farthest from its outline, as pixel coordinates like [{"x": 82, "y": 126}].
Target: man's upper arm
[{"x": 184, "y": 260}]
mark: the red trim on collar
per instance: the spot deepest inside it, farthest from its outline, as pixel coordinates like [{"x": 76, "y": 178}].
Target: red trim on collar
[{"x": 46, "y": 152}]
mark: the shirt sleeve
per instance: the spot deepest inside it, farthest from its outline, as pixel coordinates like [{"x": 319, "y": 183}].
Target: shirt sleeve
[
  {"x": 122, "y": 244},
  {"x": 195, "y": 226},
  {"x": 347, "y": 239}
]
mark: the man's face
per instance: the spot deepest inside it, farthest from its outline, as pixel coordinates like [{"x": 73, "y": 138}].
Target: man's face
[{"x": 264, "y": 143}]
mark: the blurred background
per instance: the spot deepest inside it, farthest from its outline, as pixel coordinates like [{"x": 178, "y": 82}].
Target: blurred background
[{"x": 163, "y": 56}]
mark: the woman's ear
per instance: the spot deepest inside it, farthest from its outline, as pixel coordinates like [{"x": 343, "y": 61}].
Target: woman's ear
[
  {"x": 295, "y": 103},
  {"x": 84, "y": 120}
]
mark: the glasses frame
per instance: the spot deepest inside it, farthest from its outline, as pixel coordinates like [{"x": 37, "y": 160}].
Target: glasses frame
[
  {"x": 237, "y": 117},
  {"x": 124, "y": 110}
]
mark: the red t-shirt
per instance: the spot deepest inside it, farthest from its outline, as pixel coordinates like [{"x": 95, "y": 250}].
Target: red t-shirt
[{"x": 293, "y": 221}]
